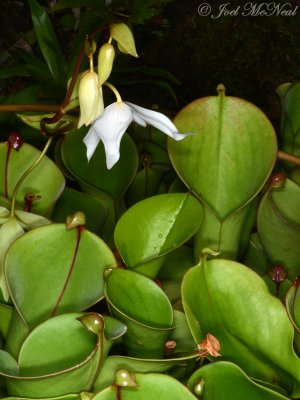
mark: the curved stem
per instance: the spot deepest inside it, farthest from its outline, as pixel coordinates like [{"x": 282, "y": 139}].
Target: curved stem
[
  {"x": 116, "y": 93},
  {"x": 282, "y": 155},
  {"x": 26, "y": 173}
]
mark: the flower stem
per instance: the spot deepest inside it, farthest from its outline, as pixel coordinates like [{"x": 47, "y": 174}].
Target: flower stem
[
  {"x": 116, "y": 93},
  {"x": 26, "y": 173},
  {"x": 282, "y": 155}
]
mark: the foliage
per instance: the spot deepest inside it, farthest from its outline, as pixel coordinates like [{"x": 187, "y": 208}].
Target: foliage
[{"x": 160, "y": 277}]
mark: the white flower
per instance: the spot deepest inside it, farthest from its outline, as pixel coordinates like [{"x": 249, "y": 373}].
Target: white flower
[{"x": 113, "y": 122}]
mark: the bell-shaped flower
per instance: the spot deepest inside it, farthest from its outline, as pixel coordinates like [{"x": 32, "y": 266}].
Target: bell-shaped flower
[
  {"x": 112, "y": 124},
  {"x": 90, "y": 98}
]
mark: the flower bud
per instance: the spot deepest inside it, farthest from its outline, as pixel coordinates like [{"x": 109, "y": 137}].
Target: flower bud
[
  {"x": 123, "y": 35},
  {"x": 90, "y": 98},
  {"x": 105, "y": 62}
]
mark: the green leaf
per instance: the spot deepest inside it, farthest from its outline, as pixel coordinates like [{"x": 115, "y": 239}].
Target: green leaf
[
  {"x": 156, "y": 226},
  {"x": 290, "y": 123},
  {"x": 226, "y": 381},
  {"x": 45, "y": 180},
  {"x": 58, "y": 357},
  {"x": 230, "y": 156},
  {"x": 278, "y": 224},
  {"x": 144, "y": 308},
  {"x": 72, "y": 200},
  {"x": 221, "y": 235},
  {"x": 48, "y": 42},
  {"x": 231, "y": 302},
  {"x": 54, "y": 270},
  {"x": 6, "y": 312},
  {"x": 292, "y": 304},
  {"x": 95, "y": 173},
  {"x": 149, "y": 386}
]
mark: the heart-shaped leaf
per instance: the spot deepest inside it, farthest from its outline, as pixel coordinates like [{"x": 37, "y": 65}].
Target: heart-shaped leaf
[
  {"x": 53, "y": 270},
  {"x": 232, "y": 303},
  {"x": 95, "y": 173},
  {"x": 230, "y": 156}
]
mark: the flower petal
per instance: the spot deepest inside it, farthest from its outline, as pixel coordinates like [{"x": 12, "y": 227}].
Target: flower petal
[
  {"x": 91, "y": 141},
  {"x": 110, "y": 127},
  {"x": 158, "y": 120}
]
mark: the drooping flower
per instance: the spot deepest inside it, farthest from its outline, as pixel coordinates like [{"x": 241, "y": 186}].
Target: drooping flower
[
  {"x": 113, "y": 122},
  {"x": 90, "y": 98}
]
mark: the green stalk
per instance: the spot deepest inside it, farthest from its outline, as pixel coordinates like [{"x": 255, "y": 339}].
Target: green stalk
[{"x": 26, "y": 173}]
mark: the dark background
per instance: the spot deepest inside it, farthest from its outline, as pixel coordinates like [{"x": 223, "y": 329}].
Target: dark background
[{"x": 250, "y": 55}]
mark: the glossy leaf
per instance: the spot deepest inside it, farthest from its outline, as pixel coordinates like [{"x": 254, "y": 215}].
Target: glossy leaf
[
  {"x": 59, "y": 357},
  {"x": 45, "y": 180},
  {"x": 226, "y": 381},
  {"x": 72, "y": 200},
  {"x": 62, "y": 272},
  {"x": 144, "y": 308},
  {"x": 47, "y": 41},
  {"x": 95, "y": 173},
  {"x": 156, "y": 226},
  {"x": 231, "y": 135},
  {"x": 232, "y": 303},
  {"x": 278, "y": 223},
  {"x": 149, "y": 386}
]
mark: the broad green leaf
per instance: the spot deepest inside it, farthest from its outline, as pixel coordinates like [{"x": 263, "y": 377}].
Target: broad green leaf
[
  {"x": 231, "y": 302},
  {"x": 149, "y": 386},
  {"x": 230, "y": 156},
  {"x": 72, "y": 200},
  {"x": 144, "y": 308},
  {"x": 60, "y": 356},
  {"x": 44, "y": 180},
  {"x": 156, "y": 226},
  {"x": 48, "y": 42},
  {"x": 226, "y": 381},
  {"x": 52, "y": 270},
  {"x": 278, "y": 224},
  {"x": 95, "y": 173}
]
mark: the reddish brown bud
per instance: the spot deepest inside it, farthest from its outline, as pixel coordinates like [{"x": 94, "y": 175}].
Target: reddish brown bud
[{"x": 15, "y": 140}]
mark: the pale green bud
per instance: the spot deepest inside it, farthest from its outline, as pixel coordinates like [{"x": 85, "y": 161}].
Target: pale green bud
[
  {"x": 123, "y": 35},
  {"x": 105, "y": 62},
  {"x": 90, "y": 98}
]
